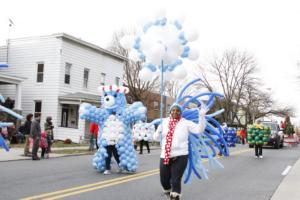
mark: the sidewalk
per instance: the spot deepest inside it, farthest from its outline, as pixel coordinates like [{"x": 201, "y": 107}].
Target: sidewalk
[
  {"x": 289, "y": 187},
  {"x": 18, "y": 153}
]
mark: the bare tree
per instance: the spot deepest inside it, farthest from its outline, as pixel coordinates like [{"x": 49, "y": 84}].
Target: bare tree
[
  {"x": 138, "y": 90},
  {"x": 172, "y": 88},
  {"x": 243, "y": 96},
  {"x": 232, "y": 71}
]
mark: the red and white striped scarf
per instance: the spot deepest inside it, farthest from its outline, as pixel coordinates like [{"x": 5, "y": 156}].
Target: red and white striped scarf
[{"x": 172, "y": 124}]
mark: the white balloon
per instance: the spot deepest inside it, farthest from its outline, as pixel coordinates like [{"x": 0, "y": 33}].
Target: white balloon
[
  {"x": 159, "y": 14},
  {"x": 181, "y": 18},
  {"x": 167, "y": 76},
  {"x": 179, "y": 72},
  {"x": 145, "y": 74},
  {"x": 156, "y": 54},
  {"x": 127, "y": 41},
  {"x": 191, "y": 35},
  {"x": 193, "y": 54},
  {"x": 134, "y": 55},
  {"x": 170, "y": 57},
  {"x": 142, "y": 109},
  {"x": 158, "y": 50}
]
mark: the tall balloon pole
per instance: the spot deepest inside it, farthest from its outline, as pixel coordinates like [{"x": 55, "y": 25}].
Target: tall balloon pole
[{"x": 162, "y": 46}]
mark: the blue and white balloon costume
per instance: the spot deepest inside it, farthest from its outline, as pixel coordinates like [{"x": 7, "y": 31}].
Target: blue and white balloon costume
[
  {"x": 143, "y": 131},
  {"x": 114, "y": 121}
]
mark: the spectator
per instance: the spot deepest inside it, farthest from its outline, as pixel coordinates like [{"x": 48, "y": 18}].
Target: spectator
[
  {"x": 35, "y": 133},
  {"x": 26, "y": 129},
  {"x": 44, "y": 145},
  {"x": 243, "y": 135},
  {"x": 48, "y": 126},
  {"x": 94, "y": 129}
]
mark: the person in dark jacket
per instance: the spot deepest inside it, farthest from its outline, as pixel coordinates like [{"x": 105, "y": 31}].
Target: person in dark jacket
[
  {"x": 49, "y": 130},
  {"x": 26, "y": 131},
  {"x": 35, "y": 133}
]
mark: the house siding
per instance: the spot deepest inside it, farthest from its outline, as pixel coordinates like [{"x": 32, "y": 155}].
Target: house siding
[
  {"x": 54, "y": 51},
  {"x": 24, "y": 54}
]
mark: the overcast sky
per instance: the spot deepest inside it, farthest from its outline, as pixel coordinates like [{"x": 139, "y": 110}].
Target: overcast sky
[{"x": 269, "y": 29}]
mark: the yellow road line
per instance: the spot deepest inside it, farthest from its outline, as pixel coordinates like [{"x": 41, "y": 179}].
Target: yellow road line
[
  {"x": 99, "y": 187},
  {"x": 88, "y": 185},
  {"x": 102, "y": 184}
]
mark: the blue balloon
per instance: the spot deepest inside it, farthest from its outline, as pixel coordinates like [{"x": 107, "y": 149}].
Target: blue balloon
[
  {"x": 178, "y": 25},
  {"x": 121, "y": 149}
]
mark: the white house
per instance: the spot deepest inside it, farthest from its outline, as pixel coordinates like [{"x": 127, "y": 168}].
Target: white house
[{"x": 61, "y": 72}]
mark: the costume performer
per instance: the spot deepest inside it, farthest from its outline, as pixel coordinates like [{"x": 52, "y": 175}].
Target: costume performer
[
  {"x": 186, "y": 138},
  {"x": 115, "y": 135}
]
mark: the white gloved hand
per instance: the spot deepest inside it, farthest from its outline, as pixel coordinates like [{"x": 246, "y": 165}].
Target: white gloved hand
[{"x": 203, "y": 110}]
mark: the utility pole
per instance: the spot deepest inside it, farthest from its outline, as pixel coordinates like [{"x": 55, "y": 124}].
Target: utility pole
[{"x": 10, "y": 24}]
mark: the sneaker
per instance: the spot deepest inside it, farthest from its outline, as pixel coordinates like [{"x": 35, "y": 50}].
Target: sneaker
[
  {"x": 255, "y": 156},
  {"x": 106, "y": 172},
  {"x": 260, "y": 156}
]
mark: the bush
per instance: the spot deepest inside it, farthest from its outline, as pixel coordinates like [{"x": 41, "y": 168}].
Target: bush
[{"x": 68, "y": 141}]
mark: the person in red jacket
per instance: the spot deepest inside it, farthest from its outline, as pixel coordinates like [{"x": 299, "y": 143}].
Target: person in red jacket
[
  {"x": 243, "y": 135},
  {"x": 94, "y": 136}
]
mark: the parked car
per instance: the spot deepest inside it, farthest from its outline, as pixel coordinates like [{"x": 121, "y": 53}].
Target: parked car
[{"x": 276, "y": 136}]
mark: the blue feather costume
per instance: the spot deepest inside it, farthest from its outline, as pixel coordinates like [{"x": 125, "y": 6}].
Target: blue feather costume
[{"x": 201, "y": 145}]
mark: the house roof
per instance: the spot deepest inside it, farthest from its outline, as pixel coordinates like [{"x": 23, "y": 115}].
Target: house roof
[
  {"x": 78, "y": 41},
  {"x": 10, "y": 79},
  {"x": 90, "y": 45},
  {"x": 80, "y": 97}
]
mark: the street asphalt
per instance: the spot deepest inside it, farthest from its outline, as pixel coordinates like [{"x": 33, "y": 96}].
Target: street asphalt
[{"x": 243, "y": 178}]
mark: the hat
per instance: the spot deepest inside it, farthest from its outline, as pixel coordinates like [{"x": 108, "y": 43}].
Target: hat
[{"x": 175, "y": 105}]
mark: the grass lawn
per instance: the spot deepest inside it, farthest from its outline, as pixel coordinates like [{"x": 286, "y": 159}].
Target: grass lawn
[
  {"x": 73, "y": 151},
  {"x": 56, "y": 144}
]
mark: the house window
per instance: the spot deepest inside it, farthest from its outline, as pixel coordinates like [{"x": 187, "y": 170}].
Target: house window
[
  {"x": 155, "y": 105},
  {"x": 68, "y": 73},
  {"x": 69, "y": 116},
  {"x": 117, "y": 81},
  {"x": 102, "y": 79},
  {"x": 40, "y": 72},
  {"x": 37, "y": 108},
  {"x": 85, "y": 77}
]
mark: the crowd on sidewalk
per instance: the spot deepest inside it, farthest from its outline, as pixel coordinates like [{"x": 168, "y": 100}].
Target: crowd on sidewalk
[{"x": 34, "y": 138}]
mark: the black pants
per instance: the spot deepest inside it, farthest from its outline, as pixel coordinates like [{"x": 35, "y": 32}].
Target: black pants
[
  {"x": 44, "y": 150},
  {"x": 96, "y": 141},
  {"x": 258, "y": 150},
  {"x": 243, "y": 140},
  {"x": 111, "y": 149},
  {"x": 171, "y": 174},
  {"x": 142, "y": 142}
]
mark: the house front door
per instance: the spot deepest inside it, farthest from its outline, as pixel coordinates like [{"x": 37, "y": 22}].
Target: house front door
[{"x": 65, "y": 116}]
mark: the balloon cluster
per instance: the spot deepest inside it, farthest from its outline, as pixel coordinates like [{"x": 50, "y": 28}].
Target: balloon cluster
[
  {"x": 2, "y": 65},
  {"x": 6, "y": 124},
  {"x": 258, "y": 134},
  {"x": 230, "y": 136},
  {"x": 143, "y": 131},
  {"x": 162, "y": 45},
  {"x": 114, "y": 121}
]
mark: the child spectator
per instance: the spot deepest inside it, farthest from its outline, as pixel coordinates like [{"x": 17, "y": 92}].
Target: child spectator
[{"x": 44, "y": 145}]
